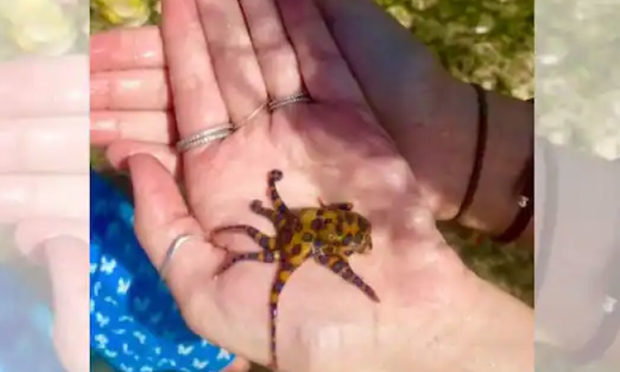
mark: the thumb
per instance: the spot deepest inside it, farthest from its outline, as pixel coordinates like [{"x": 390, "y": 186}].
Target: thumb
[{"x": 161, "y": 216}]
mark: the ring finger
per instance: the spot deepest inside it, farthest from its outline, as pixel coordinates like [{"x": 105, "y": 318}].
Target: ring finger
[
  {"x": 234, "y": 62},
  {"x": 275, "y": 53},
  {"x": 197, "y": 98}
]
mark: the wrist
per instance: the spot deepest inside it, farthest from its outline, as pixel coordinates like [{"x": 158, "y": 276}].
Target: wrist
[
  {"x": 444, "y": 319},
  {"x": 502, "y": 154},
  {"x": 508, "y": 148},
  {"x": 497, "y": 332},
  {"x": 438, "y": 142},
  {"x": 491, "y": 332}
]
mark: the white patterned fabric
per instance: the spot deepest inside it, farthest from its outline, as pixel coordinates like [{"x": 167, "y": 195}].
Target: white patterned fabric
[{"x": 135, "y": 323}]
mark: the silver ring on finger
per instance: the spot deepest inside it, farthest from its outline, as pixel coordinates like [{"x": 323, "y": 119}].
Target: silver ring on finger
[
  {"x": 204, "y": 137},
  {"x": 174, "y": 246},
  {"x": 296, "y": 98}
]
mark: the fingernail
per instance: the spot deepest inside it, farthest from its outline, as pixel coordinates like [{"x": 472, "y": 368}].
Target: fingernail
[
  {"x": 104, "y": 124},
  {"x": 103, "y": 130}
]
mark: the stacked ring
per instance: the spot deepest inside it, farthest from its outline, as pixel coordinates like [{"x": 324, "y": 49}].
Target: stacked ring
[
  {"x": 204, "y": 137},
  {"x": 221, "y": 131}
]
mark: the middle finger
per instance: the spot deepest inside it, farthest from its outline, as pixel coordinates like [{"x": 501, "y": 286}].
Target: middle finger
[
  {"x": 197, "y": 99},
  {"x": 275, "y": 53},
  {"x": 234, "y": 61}
]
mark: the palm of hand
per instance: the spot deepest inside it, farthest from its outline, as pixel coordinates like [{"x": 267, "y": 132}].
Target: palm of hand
[{"x": 314, "y": 146}]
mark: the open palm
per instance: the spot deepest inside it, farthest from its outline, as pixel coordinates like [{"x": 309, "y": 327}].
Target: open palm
[{"x": 333, "y": 149}]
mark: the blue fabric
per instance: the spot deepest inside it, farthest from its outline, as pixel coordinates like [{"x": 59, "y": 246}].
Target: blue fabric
[{"x": 135, "y": 323}]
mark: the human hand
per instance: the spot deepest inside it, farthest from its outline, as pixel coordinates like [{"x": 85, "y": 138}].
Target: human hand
[
  {"x": 315, "y": 147},
  {"x": 44, "y": 184},
  {"x": 131, "y": 95},
  {"x": 413, "y": 96}
]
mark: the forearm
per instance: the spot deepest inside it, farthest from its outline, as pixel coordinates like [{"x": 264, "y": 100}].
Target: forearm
[
  {"x": 433, "y": 117},
  {"x": 450, "y": 135},
  {"x": 509, "y": 145},
  {"x": 434, "y": 315},
  {"x": 492, "y": 332}
]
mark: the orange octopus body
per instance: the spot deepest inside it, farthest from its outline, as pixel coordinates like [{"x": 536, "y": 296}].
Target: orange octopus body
[{"x": 329, "y": 235}]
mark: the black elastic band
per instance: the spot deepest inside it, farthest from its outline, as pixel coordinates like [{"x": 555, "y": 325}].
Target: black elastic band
[
  {"x": 526, "y": 210},
  {"x": 525, "y": 191},
  {"x": 481, "y": 145}
]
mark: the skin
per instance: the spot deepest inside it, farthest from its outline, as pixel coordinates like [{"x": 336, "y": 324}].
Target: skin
[
  {"x": 329, "y": 234},
  {"x": 424, "y": 109},
  {"x": 39, "y": 108},
  {"x": 217, "y": 76}
]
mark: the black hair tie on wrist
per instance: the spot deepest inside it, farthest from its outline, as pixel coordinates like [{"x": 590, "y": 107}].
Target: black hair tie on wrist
[
  {"x": 526, "y": 205},
  {"x": 481, "y": 143}
]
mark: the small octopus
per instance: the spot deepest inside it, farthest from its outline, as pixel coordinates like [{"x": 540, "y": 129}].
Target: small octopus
[{"x": 329, "y": 234}]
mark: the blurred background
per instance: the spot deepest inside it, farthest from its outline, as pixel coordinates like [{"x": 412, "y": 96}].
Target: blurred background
[{"x": 489, "y": 42}]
